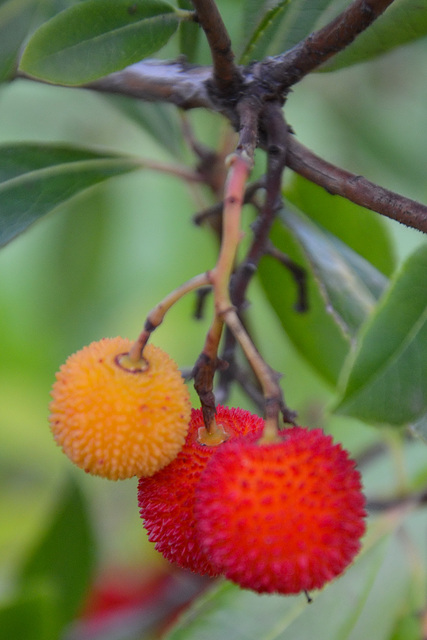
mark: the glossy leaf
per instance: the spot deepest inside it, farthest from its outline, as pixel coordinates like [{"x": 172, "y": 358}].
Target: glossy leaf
[
  {"x": 344, "y": 288},
  {"x": 275, "y": 27},
  {"x": 36, "y": 178},
  {"x": 387, "y": 375},
  {"x": 359, "y": 228},
  {"x": 314, "y": 333},
  {"x": 374, "y": 281},
  {"x": 402, "y": 22},
  {"x": 366, "y": 588},
  {"x": 342, "y": 291},
  {"x": 256, "y": 45},
  {"x": 16, "y": 17},
  {"x": 97, "y": 37},
  {"x": 64, "y": 556}
]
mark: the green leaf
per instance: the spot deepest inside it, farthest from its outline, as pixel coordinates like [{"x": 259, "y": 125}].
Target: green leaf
[
  {"x": 161, "y": 121},
  {"x": 257, "y": 43},
  {"x": 402, "y": 22},
  {"x": 361, "y": 229},
  {"x": 369, "y": 586},
  {"x": 342, "y": 291},
  {"x": 387, "y": 374},
  {"x": 30, "y": 615},
  {"x": 345, "y": 289},
  {"x": 52, "y": 7},
  {"x": 36, "y": 178},
  {"x": 64, "y": 556},
  {"x": 189, "y": 34},
  {"x": 374, "y": 281},
  {"x": 97, "y": 37},
  {"x": 16, "y": 17},
  {"x": 314, "y": 333},
  {"x": 274, "y": 27}
]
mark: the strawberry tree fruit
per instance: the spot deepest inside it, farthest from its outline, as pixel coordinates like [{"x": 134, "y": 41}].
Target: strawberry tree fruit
[
  {"x": 281, "y": 517},
  {"x": 117, "y": 418},
  {"x": 167, "y": 499}
]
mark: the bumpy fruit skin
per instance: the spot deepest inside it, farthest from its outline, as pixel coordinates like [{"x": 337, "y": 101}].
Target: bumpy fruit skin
[
  {"x": 166, "y": 500},
  {"x": 114, "y": 422},
  {"x": 282, "y": 517}
]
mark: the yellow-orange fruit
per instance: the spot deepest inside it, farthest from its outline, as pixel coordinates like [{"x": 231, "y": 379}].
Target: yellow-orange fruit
[{"x": 116, "y": 419}]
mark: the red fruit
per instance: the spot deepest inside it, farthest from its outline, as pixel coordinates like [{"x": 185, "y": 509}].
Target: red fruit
[
  {"x": 281, "y": 517},
  {"x": 166, "y": 499}
]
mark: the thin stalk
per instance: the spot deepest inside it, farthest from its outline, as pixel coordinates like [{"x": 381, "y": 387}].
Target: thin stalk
[
  {"x": 157, "y": 314},
  {"x": 240, "y": 167},
  {"x": 204, "y": 372},
  {"x": 266, "y": 376}
]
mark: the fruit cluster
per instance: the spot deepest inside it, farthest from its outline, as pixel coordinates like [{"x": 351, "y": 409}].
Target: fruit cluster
[{"x": 281, "y": 516}]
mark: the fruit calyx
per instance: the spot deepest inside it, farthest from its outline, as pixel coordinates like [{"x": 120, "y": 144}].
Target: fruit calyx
[{"x": 125, "y": 362}]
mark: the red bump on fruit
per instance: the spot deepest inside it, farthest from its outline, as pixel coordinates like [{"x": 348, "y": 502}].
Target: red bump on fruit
[
  {"x": 281, "y": 517},
  {"x": 166, "y": 500}
]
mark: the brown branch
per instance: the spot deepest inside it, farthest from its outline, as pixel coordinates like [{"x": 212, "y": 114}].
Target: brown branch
[
  {"x": 216, "y": 209},
  {"x": 199, "y": 307},
  {"x": 225, "y": 73},
  {"x": 239, "y": 167},
  {"x": 245, "y": 378},
  {"x": 190, "y": 87},
  {"x": 318, "y": 47},
  {"x": 276, "y": 135},
  {"x": 418, "y": 499},
  {"x": 358, "y": 189},
  {"x": 276, "y": 143},
  {"x": 156, "y": 81},
  {"x": 204, "y": 153}
]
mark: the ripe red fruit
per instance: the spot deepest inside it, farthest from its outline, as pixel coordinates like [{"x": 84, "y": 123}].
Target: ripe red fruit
[
  {"x": 281, "y": 517},
  {"x": 166, "y": 499}
]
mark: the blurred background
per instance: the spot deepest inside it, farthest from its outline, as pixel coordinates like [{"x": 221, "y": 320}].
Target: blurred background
[{"x": 96, "y": 266}]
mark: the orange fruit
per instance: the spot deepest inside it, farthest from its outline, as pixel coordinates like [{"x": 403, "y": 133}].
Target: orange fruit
[{"x": 116, "y": 419}]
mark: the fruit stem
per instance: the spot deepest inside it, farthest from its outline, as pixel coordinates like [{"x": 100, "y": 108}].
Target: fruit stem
[
  {"x": 240, "y": 165},
  {"x": 204, "y": 371},
  {"x": 269, "y": 379},
  {"x": 157, "y": 314}
]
